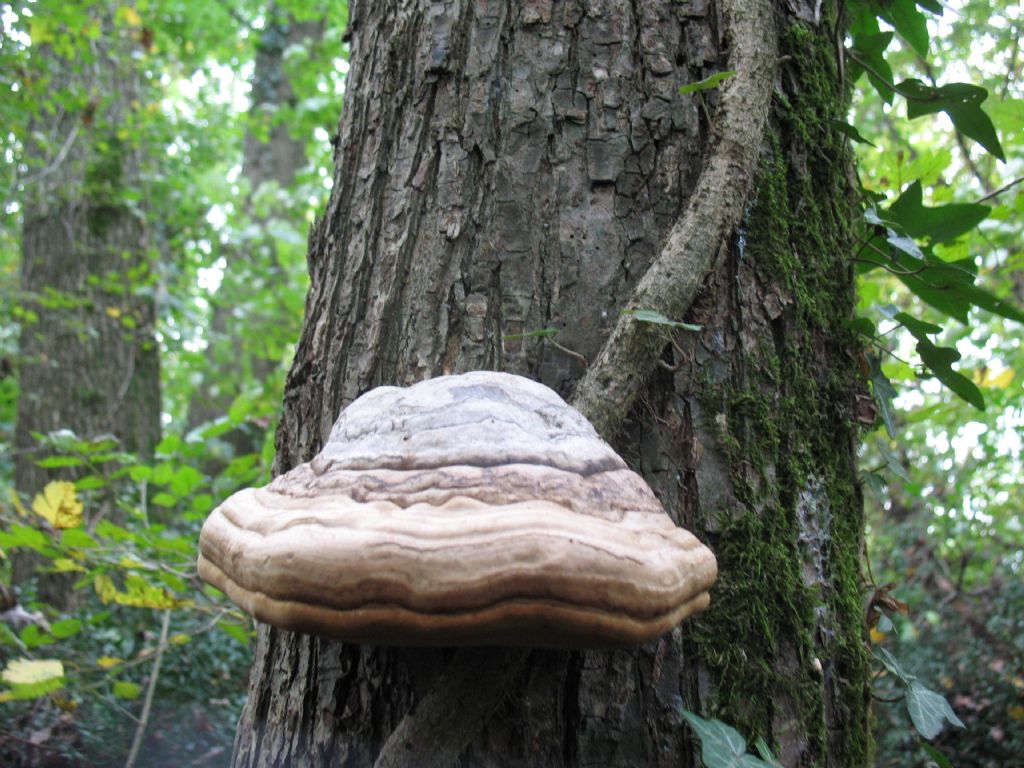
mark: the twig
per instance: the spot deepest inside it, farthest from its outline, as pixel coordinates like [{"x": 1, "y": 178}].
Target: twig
[
  {"x": 61, "y": 155},
  {"x": 140, "y": 730},
  {"x": 1006, "y": 187},
  {"x": 569, "y": 352}
]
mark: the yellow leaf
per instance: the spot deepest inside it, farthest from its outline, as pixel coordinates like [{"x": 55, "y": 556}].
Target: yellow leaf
[
  {"x": 16, "y": 501},
  {"x": 113, "y": 312},
  {"x": 999, "y": 380},
  {"x": 106, "y": 662},
  {"x": 25, "y": 671},
  {"x": 59, "y": 505},
  {"x": 877, "y": 636},
  {"x": 1016, "y": 711},
  {"x": 65, "y": 564},
  {"x": 138, "y": 593},
  {"x": 180, "y": 638},
  {"x": 129, "y": 16},
  {"x": 66, "y": 703},
  {"x": 105, "y": 588},
  {"x": 131, "y": 564}
]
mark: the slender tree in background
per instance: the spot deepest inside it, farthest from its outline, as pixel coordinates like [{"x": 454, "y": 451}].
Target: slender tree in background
[
  {"x": 507, "y": 168},
  {"x": 89, "y": 362},
  {"x": 240, "y": 336}
]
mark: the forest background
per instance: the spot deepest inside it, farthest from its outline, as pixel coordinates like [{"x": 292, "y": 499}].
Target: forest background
[{"x": 199, "y": 136}]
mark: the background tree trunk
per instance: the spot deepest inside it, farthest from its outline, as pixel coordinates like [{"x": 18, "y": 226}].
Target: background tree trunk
[
  {"x": 509, "y": 167},
  {"x": 271, "y": 156},
  {"x": 89, "y": 360}
]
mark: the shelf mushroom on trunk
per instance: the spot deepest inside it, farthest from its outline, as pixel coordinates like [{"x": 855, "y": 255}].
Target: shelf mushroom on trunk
[{"x": 477, "y": 509}]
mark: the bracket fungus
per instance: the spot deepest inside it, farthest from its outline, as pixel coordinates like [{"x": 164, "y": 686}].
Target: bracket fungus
[{"x": 477, "y": 509}]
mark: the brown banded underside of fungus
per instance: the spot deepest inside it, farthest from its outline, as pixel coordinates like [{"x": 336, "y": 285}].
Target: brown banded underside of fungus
[{"x": 464, "y": 510}]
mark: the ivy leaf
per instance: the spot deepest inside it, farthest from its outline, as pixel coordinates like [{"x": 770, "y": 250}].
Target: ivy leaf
[
  {"x": 655, "y": 317},
  {"x": 937, "y": 757},
  {"x": 890, "y": 663},
  {"x": 929, "y": 711},
  {"x": 962, "y": 102},
  {"x": 941, "y": 223},
  {"x": 852, "y": 133},
  {"x": 939, "y": 361},
  {"x": 903, "y": 243},
  {"x": 918, "y": 328},
  {"x": 59, "y": 505},
  {"x": 766, "y": 754},
  {"x": 869, "y": 48},
  {"x": 721, "y": 745},
  {"x": 712, "y": 81},
  {"x": 884, "y": 393},
  {"x": 909, "y": 22},
  {"x": 948, "y": 286}
]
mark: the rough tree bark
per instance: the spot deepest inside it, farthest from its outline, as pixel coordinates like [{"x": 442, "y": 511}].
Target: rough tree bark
[
  {"x": 88, "y": 358},
  {"x": 505, "y": 168}
]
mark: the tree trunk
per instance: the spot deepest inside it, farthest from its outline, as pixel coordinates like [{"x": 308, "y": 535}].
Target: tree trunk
[
  {"x": 511, "y": 167},
  {"x": 88, "y": 357}
]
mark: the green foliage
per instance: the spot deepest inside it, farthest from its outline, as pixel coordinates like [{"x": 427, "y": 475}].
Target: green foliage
[
  {"x": 122, "y": 526},
  {"x": 723, "y": 747},
  {"x": 939, "y": 258},
  {"x": 125, "y": 571},
  {"x": 711, "y": 81},
  {"x": 657, "y": 318}
]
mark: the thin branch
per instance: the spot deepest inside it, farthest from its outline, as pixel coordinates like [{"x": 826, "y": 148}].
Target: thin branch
[
  {"x": 569, "y": 352},
  {"x": 884, "y": 80},
  {"x": 140, "y": 730},
  {"x": 1005, "y": 188},
  {"x": 58, "y": 160}
]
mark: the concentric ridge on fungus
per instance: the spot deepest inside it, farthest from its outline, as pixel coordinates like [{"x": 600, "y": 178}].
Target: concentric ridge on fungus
[{"x": 465, "y": 510}]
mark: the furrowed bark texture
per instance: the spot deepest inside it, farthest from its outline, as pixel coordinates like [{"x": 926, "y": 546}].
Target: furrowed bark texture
[
  {"x": 88, "y": 358},
  {"x": 505, "y": 168}
]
